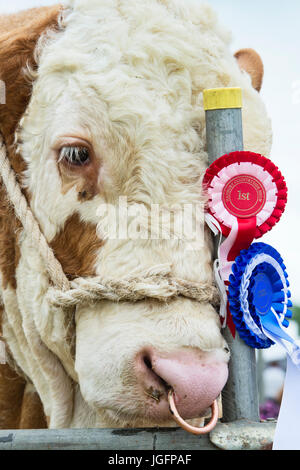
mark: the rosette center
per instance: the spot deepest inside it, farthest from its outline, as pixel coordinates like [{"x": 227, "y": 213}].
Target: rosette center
[
  {"x": 244, "y": 196},
  {"x": 262, "y": 293}
]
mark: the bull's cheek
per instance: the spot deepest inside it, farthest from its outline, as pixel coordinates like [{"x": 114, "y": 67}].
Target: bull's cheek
[{"x": 96, "y": 363}]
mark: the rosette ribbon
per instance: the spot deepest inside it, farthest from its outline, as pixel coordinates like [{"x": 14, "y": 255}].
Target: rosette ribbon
[
  {"x": 247, "y": 195},
  {"x": 259, "y": 299}
]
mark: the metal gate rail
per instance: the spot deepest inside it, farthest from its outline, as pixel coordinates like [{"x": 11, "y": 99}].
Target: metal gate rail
[{"x": 241, "y": 435}]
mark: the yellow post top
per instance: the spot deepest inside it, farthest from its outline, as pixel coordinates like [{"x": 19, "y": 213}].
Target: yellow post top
[{"x": 222, "y": 98}]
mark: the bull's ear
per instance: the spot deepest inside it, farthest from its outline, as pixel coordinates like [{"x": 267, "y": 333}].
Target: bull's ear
[
  {"x": 250, "y": 61},
  {"x": 19, "y": 34}
]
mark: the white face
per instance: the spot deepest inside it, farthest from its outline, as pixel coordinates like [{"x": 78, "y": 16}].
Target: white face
[{"x": 117, "y": 110}]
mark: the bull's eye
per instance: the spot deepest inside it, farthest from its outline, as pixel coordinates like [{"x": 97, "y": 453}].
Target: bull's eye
[{"x": 74, "y": 155}]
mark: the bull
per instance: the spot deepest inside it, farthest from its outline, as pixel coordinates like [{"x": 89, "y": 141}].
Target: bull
[{"x": 103, "y": 101}]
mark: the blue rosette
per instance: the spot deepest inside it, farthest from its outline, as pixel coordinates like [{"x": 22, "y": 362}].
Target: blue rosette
[{"x": 259, "y": 296}]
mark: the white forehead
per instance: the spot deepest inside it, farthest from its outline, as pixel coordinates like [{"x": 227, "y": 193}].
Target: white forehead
[
  {"x": 131, "y": 73},
  {"x": 141, "y": 45},
  {"x": 133, "y": 62}
]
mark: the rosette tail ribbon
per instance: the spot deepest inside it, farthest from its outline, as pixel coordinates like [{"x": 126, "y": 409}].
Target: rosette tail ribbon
[
  {"x": 246, "y": 197},
  {"x": 222, "y": 284}
]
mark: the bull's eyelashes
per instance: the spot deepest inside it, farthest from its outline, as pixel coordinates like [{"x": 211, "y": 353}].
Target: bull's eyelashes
[
  {"x": 74, "y": 155},
  {"x": 78, "y": 166}
]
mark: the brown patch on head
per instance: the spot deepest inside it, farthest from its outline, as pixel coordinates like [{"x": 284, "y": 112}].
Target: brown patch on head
[
  {"x": 18, "y": 38},
  {"x": 76, "y": 247},
  {"x": 19, "y": 34}
]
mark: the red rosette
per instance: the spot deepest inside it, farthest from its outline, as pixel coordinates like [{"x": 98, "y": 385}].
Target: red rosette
[{"x": 256, "y": 164}]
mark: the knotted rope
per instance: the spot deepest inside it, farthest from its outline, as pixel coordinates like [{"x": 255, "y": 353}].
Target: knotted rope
[{"x": 155, "y": 283}]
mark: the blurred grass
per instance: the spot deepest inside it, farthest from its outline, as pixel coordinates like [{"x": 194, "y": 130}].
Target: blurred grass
[{"x": 296, "y": 316}]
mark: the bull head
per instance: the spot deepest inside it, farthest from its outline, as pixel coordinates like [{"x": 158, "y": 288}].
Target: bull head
[{"x": 102, "y": 103}]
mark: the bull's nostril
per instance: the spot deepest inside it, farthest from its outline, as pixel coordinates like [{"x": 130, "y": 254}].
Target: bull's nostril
[
  {"x": 152, "y": 375},
  {"x": 147, "y": 362}
]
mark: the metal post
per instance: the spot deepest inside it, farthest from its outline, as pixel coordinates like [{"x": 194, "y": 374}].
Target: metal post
[{"x": 224, "y": 134}]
